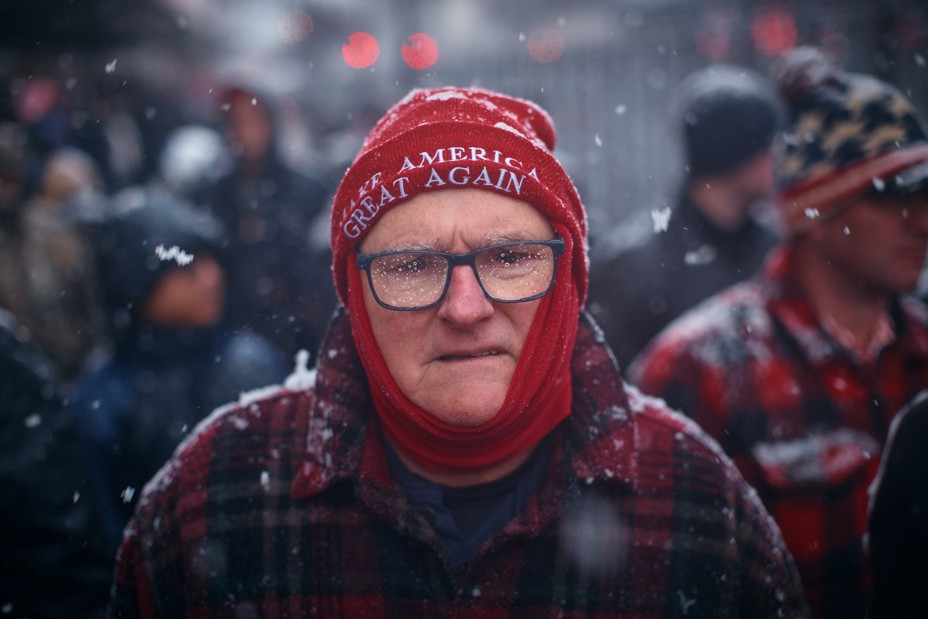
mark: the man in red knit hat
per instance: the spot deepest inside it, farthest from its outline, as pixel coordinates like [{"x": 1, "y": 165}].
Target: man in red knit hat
[
  {"x": 799, "y": 372},
  {"x": 465, "y": 445}
]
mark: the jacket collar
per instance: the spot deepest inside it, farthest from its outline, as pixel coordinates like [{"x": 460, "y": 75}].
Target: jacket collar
[{"x": 600, "y": 434}]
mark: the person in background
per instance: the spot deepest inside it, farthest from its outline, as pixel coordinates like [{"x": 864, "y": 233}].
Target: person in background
[
  {"x": 726, "y": 117},
  {"x": 51, "y": 560},
  {"x": 47, "y": 277},
  {"x": 799, "y": 372},
  {"x": 897, "y": 529},
  {"x": 193, "y": 156},
  {"x": 279, "y": 283},
  {"x": 172, "y": 362},
  {"x": 465, "y": 445}
]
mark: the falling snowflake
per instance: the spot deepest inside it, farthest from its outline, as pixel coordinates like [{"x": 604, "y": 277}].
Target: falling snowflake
[
  {"x": 661, "y": 218},
  {"x": 703, "y": 255}
]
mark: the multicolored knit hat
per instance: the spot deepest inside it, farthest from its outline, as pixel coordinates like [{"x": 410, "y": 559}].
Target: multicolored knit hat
[
  {"x": 448, "y": 138},
  {"x": 847, "y": 135}
]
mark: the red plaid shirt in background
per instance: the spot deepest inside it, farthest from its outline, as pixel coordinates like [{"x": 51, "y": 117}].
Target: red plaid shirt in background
[
  {"x": 801, "y": 417},
  {"x": 285, "y": 507}
]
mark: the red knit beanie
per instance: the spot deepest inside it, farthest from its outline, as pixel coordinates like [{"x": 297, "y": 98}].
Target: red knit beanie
[{"x": 451, "y": 138}]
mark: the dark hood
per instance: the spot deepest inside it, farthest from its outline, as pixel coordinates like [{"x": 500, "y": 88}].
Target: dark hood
[{"x": 135, "y": 246}]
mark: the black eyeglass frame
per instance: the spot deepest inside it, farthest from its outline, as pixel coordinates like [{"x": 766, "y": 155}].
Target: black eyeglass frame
[{"x": 364, "y": 262}]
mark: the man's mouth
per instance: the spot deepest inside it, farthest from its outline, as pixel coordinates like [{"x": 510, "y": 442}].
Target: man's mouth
[{"x": 476, "y": 355}]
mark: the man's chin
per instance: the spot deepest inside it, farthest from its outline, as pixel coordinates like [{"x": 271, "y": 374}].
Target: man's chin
[{"x": 468, "y": 416}]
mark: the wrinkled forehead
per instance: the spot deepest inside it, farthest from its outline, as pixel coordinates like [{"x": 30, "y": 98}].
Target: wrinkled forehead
[{"x": 455, "y": 220}]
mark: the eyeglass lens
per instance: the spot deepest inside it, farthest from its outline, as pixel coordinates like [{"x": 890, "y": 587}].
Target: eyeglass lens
[{"x": 508, "y": 273}]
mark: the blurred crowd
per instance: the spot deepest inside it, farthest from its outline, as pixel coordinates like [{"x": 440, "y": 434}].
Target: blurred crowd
[{"x": 144, "y": 281}]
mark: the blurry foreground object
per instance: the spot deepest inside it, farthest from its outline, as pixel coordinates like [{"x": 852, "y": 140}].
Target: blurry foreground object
[{"x": 898, "y": 530}]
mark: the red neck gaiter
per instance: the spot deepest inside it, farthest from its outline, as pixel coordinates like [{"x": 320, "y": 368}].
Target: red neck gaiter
[
  {"x": 539, "y": 396},
  {"x": 440, "y": 139}
]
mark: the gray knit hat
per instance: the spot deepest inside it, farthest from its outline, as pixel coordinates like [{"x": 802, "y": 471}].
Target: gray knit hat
[{"x": 727, "y": 115}]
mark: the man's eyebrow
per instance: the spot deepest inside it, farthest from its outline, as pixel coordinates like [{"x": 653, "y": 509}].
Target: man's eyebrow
[
  {"x": 485, "y": 240},
  {"x": 478, "y": 242},
  {"x": 433, "y": 245}
]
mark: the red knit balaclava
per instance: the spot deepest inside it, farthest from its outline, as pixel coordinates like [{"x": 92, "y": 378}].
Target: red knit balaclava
[{"x": 451, "y": 138}]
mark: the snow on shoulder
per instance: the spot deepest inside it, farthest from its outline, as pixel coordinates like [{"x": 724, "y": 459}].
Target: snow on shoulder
[{"x": 301, "y": 379}]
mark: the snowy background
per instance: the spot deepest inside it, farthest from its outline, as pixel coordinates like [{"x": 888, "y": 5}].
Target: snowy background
[{"x": 603, "y": 69}]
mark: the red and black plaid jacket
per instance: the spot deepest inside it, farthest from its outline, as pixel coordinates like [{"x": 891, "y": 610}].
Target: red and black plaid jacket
[
  {"x": 284, "y": 507},
  {"x": 801, "y": 418}
]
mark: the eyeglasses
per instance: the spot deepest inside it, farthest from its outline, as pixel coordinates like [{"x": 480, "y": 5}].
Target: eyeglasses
[
  {"x": 407, "y": 280},
  {"x": 910, "y": 181},
  {"x": 901, "y": 192}
]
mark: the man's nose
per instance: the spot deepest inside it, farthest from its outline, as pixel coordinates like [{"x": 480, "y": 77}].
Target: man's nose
[
  {"x": 465, "y": 302},
  {"x": 209, "y": 272}
]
